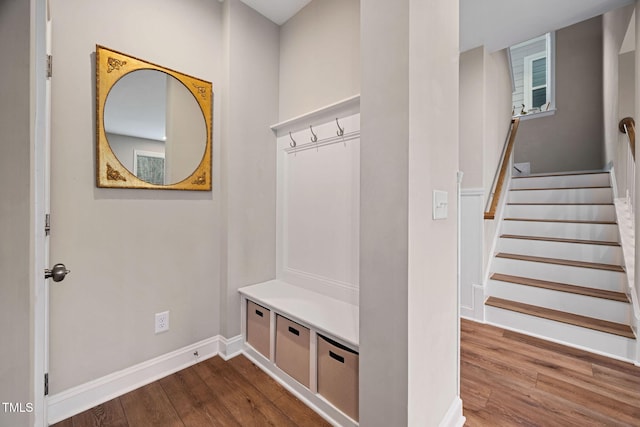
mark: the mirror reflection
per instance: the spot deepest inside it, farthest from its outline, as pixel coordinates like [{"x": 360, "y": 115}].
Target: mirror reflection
[{"x": 154, "y": 126}]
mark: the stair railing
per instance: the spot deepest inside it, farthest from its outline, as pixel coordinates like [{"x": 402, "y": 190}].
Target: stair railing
[
  {"x": 628, "y": 127},
  {"x": 501, "y": 173}
]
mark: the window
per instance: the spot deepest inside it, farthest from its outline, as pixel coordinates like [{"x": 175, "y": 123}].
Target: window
[
  {"x": 532, "y": 75},
  {"x": 535, "y": 80}
]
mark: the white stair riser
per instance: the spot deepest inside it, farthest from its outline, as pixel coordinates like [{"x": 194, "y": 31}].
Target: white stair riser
[
  {"x": 576, "y": 195},
  {"x": 604, "y": 232},
  {"x": 571, "y": 212},
  {"x": 579, "y": 276},
  {"x": 587, "y": 180},
  {"x": 613, "y": 311},
  {"x": 603, "y": 343},
  {"x": 573, "y": 251}
]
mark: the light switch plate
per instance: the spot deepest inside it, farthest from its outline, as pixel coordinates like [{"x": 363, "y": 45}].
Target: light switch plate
[{"x": 440, "y": 204}]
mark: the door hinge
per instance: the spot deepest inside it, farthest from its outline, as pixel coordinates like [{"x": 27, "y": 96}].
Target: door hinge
[
  {"x": 47, "y": 224},
  {"x": 49, "y": 66},
  {"x": 46, "y": 384}
]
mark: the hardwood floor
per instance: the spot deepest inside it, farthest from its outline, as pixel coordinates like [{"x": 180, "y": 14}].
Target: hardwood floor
[
  {"x": 511, "y": 379},
  {"x": 508, "y": 379},
  {"x": 211, "y": 393}
]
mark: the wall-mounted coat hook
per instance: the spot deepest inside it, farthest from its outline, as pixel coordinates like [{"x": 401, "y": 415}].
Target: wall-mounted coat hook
[
  {"x": 292, "y": 144},
  {"x": 314, "y": 137},
  {"x": 340, "y": 131}
]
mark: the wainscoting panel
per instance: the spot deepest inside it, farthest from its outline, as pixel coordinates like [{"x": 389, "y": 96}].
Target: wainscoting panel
[
  {"x": 471, "y": 252},
  {"x": 318, "y": 208}
]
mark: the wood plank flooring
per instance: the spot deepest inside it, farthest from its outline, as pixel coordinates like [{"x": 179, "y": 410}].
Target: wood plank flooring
[
  {"x": 212, "y": 393},
  {"x": 507, "y": 379},
  {"x": 511, "y": 379}
]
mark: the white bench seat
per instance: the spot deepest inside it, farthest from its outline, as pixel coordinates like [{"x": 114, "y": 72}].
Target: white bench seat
[{"x": 337, "y": 319}]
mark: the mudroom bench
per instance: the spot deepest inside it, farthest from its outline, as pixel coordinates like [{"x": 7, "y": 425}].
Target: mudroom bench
[{"x": 308, "y": 342}]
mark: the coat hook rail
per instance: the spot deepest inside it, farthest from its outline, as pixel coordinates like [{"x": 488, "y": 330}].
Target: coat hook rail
[{"x": 340, "y": 131}]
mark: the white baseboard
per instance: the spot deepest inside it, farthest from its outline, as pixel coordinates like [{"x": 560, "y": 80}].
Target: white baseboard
[
  {"x": 454, "y": 417},
  {"x": 230, "y": 347},
  {"x": 73, "y": 401},
  {"x": 70, "y": 402},
  {"x": 476, "y": 311}
]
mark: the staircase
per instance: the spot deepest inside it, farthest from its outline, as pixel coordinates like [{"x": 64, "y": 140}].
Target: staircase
[{"x": 558, "y": 269}]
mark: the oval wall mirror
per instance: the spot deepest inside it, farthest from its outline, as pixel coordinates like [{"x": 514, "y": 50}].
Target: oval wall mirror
[{"x": 153, "y": 125}]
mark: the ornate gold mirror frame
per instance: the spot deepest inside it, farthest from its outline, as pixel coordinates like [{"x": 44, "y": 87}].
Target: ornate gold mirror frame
[{"x": 111, "y": 66}]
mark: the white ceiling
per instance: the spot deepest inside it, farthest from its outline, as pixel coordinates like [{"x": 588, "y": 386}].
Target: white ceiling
[
  {"x": 500, "y": 23},
  {"x": 278, "y": 11},
  {"x": 629, "y": 41},
  {"x": 493, "y": 23}
]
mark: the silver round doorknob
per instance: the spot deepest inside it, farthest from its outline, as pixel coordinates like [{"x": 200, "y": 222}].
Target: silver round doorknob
[{"x": 57, "y": 273}]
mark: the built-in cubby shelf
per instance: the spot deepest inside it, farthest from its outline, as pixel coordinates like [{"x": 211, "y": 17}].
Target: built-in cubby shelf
[
  {"x": 302, "y": 328},
  {"x": 323, "y": 316}
]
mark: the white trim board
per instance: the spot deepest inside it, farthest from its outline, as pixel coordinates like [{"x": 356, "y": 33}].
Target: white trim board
[
  {"x": 85, "y": 396},
  {"x": 454, "y": 417},
  {"x": 340, "y": 109},
  {"x": 230, "y": 347}
]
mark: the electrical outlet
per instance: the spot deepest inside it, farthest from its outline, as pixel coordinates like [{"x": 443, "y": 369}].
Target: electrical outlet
[{"x": 162, "y": 322}]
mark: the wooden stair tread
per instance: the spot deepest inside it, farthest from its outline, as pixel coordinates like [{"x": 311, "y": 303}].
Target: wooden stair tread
[
  {"x": 557, "y": 261},
  {"x": 559, "y": 204},
  {"x": 560, "y": 240},
  {"x": 564, "y": 317},
  {"x": 560, "y": 188},
  {"x": 565, "y": 221},
  {"x": 562, "y": 287},
  {"x": 559, "y": 174}
]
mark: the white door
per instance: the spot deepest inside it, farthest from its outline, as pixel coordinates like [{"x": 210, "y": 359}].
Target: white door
[{"x": 44, "y": 275}]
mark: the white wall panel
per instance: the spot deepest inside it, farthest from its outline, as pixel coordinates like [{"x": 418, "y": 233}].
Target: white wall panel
[
  {"x": 471, "y": 255},
  {"x": 318, "y": 204}
]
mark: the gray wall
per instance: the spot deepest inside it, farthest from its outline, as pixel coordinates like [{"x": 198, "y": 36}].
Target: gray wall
[
  {"x": 248, "y": 156},
  {"x": 15, "y": 210},
  {"x": 572, "y": 139},
  {"x": 384, "y": 203},
  {"x": 626, "y": 88},
  {"x": 614, "y": 27},
  {"x": 472, "y": 112},
  {"x": 319, "y": 56},
  {"x": 409, "y": 128},
  {"x": 485, "y": 115},
  {"x": 134, "y": 253}
]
